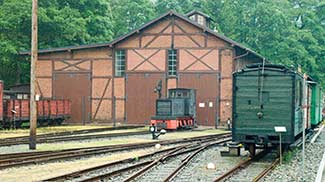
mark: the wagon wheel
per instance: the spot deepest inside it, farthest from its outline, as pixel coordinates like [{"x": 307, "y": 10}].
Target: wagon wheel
[
  {"x": 60, "y": 121},
  {"x": 18, "y": 124},
  {"x": 251, "y": 149}
]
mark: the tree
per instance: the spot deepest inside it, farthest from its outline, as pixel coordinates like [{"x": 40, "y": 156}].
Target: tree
[
  {"x": 268, "y": 27},
  {"x": 128, "y": 15},
  {"x": 61, "y": 23}
]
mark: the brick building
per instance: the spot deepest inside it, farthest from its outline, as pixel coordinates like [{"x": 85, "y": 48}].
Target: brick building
[{"x": 115, "y": 80}]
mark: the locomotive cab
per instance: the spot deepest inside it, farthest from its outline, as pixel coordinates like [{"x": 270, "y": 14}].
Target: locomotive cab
[{"x": 176, "y": 111}]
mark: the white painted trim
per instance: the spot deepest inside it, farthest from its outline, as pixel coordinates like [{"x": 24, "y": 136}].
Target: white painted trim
[
  {"x": 320, "y": 169},
  {"x": 317, "y": 134}
]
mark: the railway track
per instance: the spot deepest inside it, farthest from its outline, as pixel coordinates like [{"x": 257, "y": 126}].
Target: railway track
[
  {"x": 75, "y": 132},
  {"x": 250, "y": 169},
  {"x": 62, "y": 138},
  {"x": 20, "y": 159},
  {"x": 266, "y": 171},
  {"x": 131, "y": 169},
  {"x": 168, "y": 166}
]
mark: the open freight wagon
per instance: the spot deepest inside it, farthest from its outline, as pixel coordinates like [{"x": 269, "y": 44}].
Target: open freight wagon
[{"x": 14, "y": 112}]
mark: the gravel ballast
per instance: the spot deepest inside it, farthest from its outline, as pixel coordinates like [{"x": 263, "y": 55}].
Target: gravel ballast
[{"x": 292, "y": 170}]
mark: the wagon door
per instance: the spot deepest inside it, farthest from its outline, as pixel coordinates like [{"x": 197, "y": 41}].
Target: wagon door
[{"x": 76, "y": 87}]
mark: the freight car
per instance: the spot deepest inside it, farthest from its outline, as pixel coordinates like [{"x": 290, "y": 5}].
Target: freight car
[
  {"x": 176, "y": 111},
  {"x": 14, "y": 112},
  {"x": 265, "y": 96}
]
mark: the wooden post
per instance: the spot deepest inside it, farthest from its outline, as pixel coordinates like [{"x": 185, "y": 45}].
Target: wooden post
[
  {"x": 34, "y": 51},
  {"x": 114, "y": 111}
]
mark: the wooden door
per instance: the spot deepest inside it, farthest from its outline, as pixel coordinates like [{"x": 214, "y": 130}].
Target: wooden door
[
  {"x": 140, "y": 96},
  {"x": 206, "y": 86},
  {"x": 77, "y": 88}
]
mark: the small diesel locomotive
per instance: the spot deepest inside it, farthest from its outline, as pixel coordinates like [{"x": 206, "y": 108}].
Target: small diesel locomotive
[{"x": 177, "y": 111}]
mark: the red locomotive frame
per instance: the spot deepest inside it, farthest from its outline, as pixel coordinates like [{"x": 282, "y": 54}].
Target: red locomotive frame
[{"x": 173, "y": 124}]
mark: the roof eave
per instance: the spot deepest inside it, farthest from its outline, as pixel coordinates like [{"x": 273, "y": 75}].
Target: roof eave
[{"x": 70, "y": 48}]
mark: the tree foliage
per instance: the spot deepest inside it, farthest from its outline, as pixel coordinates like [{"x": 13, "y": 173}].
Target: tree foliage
[{"x": 290, "y": 32}]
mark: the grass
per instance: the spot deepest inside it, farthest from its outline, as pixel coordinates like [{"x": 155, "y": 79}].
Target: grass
[
  {"x": 116, "y": 140},
  {"x": 124, "y": 140},
  {"x": 95, "y": 143},
  {"x": 288, "y": 155},
  {"x": 45, "y": 130},
  {"x": 48, "y": 170},
  {"x": 186, "y": 134}
]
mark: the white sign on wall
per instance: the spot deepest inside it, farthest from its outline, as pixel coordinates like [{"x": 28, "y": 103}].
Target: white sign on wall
[
  {"x": 202, "y": 104},
  {"x": 280, "y": 129},
  {"x": 210, "y": 104}
]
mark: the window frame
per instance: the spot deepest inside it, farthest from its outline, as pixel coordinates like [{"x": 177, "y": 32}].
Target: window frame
[
  {"x": 119, "y": 71},
  {"x": 172, "y": 73}
]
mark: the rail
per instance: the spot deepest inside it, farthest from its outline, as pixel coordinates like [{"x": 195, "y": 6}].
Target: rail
[
  {"x": 20, "y": 159},
  {"x": 240, "y": 166}
]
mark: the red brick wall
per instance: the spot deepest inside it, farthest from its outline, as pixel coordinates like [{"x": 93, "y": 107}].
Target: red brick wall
[
  {"x": 226, "y": 85},
  {"x": 97, "y": 61}
]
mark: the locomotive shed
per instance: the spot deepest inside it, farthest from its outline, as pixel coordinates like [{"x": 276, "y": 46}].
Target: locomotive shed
[{"x": 114, "y": 81}]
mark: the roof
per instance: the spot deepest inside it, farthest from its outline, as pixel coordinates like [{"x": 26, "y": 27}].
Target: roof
[
  {"x": 123, "y": 37},
  {"x": 259, "y": 66}
]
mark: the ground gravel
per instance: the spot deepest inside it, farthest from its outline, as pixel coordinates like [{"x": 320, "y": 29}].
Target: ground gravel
[
  {"x": 292, "y": 170},
  {"x": 197, "y": 170}
]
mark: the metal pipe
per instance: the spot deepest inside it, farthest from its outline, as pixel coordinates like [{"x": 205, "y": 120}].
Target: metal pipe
[{"x": 240, "y": 56}]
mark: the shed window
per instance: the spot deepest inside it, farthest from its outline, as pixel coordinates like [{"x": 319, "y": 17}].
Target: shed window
[
  {"x": 200, "y": 19},
  {"x": 120, "y": 63},
  {"x": 172, "y": 60}
]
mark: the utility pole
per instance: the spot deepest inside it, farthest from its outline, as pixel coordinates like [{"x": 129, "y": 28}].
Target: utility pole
[{"x": 34, "y": 57}]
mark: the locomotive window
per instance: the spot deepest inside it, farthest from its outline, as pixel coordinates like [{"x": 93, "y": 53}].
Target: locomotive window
[
  {"x": 120, "y": 63},
  {"x": 172, "y": 59},
  {"x": 185, "y": 94},
  {"x": 172, "y": 94},
  {"x": 19, "y": 96}
]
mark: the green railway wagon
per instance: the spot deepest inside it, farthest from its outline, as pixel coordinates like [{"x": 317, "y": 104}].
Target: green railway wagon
[
  {"x": 316, "y": 105},
  {"x": 265, "y": 97}
]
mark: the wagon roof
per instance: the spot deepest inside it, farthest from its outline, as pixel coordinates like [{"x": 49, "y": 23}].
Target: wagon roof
[
  {"x": 123, "y": 37},
  {"x": 260, "y": 66}
]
